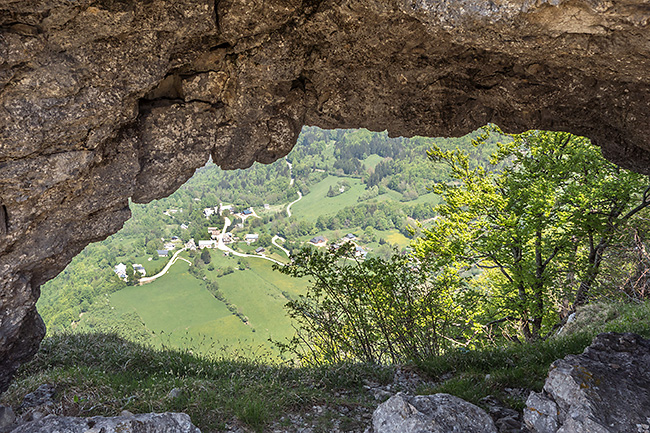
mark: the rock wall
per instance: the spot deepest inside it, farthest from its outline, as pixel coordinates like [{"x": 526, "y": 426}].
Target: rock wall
[
  {"x": 106, "y": 100},
  {"x": 602, "y": 390}
]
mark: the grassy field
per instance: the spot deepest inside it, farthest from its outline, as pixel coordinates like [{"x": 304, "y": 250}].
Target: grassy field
[
  {"x": 372, "y": 161},
  {"x": 179, "y": 310},
  {"x": 317, "y": 203},
  {"x": 101, "y": 374},
  {"x": 394, "y": 237},
  {"x": 181, "y": 313}
]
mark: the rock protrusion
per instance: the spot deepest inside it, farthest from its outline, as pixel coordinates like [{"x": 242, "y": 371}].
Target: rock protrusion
[
  {"x": 7, "y": 419},
  {"x": 150, "y": 422},
  {"x": 438, "y": 413},
  {"x": 602, "y": 390}
]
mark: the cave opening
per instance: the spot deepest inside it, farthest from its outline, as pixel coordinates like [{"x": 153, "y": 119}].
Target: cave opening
[{"x": 106, "y": 101}]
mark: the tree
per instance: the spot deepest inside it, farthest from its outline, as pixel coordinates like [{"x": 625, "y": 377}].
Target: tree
[
  {"x": 264, "y": 240},
  {"x": 153, "y": 245},
  {"x": 554, "y": 200},
  {"x": 373, "y": 310},
  {"x": 205, "y": 256}
]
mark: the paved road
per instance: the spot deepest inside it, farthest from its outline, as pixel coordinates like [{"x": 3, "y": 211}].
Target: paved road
[
  {"x": 223, "y": 247},
  {"x": 295, "y": 201},
  {"x": 290, "y": 172},
  {"x": 275, "y": 238},
  {"x": 169, "y": 264}
]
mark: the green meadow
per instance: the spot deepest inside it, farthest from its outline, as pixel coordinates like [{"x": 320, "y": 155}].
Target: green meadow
[
  {"x": 179, "y": 312},
  {"x": 317, "y": 203}
]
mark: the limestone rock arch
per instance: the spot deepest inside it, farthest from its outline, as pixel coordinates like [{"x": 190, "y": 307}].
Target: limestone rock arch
[{"x": 106, "y": 100}]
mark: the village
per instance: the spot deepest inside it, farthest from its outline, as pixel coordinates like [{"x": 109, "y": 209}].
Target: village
[{"x": 226, "y": 241}]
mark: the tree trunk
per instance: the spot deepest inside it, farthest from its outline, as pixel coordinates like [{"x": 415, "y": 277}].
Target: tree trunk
[{"x": 595, "y": 259}]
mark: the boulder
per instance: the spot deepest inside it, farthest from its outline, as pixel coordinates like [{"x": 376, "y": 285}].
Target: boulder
[
  {"x": 438, "y": 413},
  {"x": 144, "y": 423},
  {"x": 602, "y": 390},
  {"x": 7, "y": 418}
]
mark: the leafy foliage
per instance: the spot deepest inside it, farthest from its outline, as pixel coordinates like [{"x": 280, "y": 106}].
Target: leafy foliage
[
  {"x": 375, "y": 311},
  {"x": 542, "y": 220}
]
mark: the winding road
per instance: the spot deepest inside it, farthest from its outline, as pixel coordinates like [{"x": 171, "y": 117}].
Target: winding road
[
  {"x": 290, "y": 172},
  {"x": 169, "y": 264},
  {"x": 273, "y": 241},
  {"x": 299, "y": 196},
  {"x": 295, "y": 201},
  {"x": 223, "y": 247}
]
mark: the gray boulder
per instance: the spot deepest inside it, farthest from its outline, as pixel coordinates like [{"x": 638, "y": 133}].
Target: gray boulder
[
  {"x": 143, "y": 423},
  {"x": 438, "y": 413},
  {"x": 7, "y": 418},
  {"x": 603, "y": 390}
]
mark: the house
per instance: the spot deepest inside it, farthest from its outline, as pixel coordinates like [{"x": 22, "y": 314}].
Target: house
[
  {"x": 248, "y": 211},
  {"x": 214, "y": 232},
  {"x": 162, "y": 253},
  {"x": 260, "y": 250},
  {"x": 208, "y": 212},
  {"x": 349, "y": 237},
  {"x": 319, "y": 241},
  {"x": 169, "y": 246},
  {"x": 267, "y": 206},
  {"x": 360, "y": 252},
  {"x": 184, "y": 226},
  {"x": 175, "y": 238},
  {"x": 120, "y": 270},
  {"x": 251, "y": 237},
  {"x": 190, "y": 245},
  {"x": 139, "y": 268},
  {"x": 208, "y": 244},
  {"x": 227, "y": 238}
]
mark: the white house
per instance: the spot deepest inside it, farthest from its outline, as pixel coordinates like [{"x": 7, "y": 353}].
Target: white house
[
  {"x": 223, "y": 207},
  {"x": 360, "y": 252},
  {"x": 120, "y": 270},
  {"x": 139, "y": 268},
  {"x": 251, "y": 237},
  {"x": 208, "y": 211},
  {"x": 214, "y": 232},
  {"x": 208, "y": 244}
]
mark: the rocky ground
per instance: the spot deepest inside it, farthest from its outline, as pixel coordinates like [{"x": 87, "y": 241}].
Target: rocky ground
[
  {"x": 347, "y": 418},
  {"x": 601, "y": 390}
]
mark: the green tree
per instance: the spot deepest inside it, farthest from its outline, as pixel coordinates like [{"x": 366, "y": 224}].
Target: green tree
[
  {"x": 205, "y": 256},
  {"x": 526, "y": 224},
  {"x": 374, "y": 310}
]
